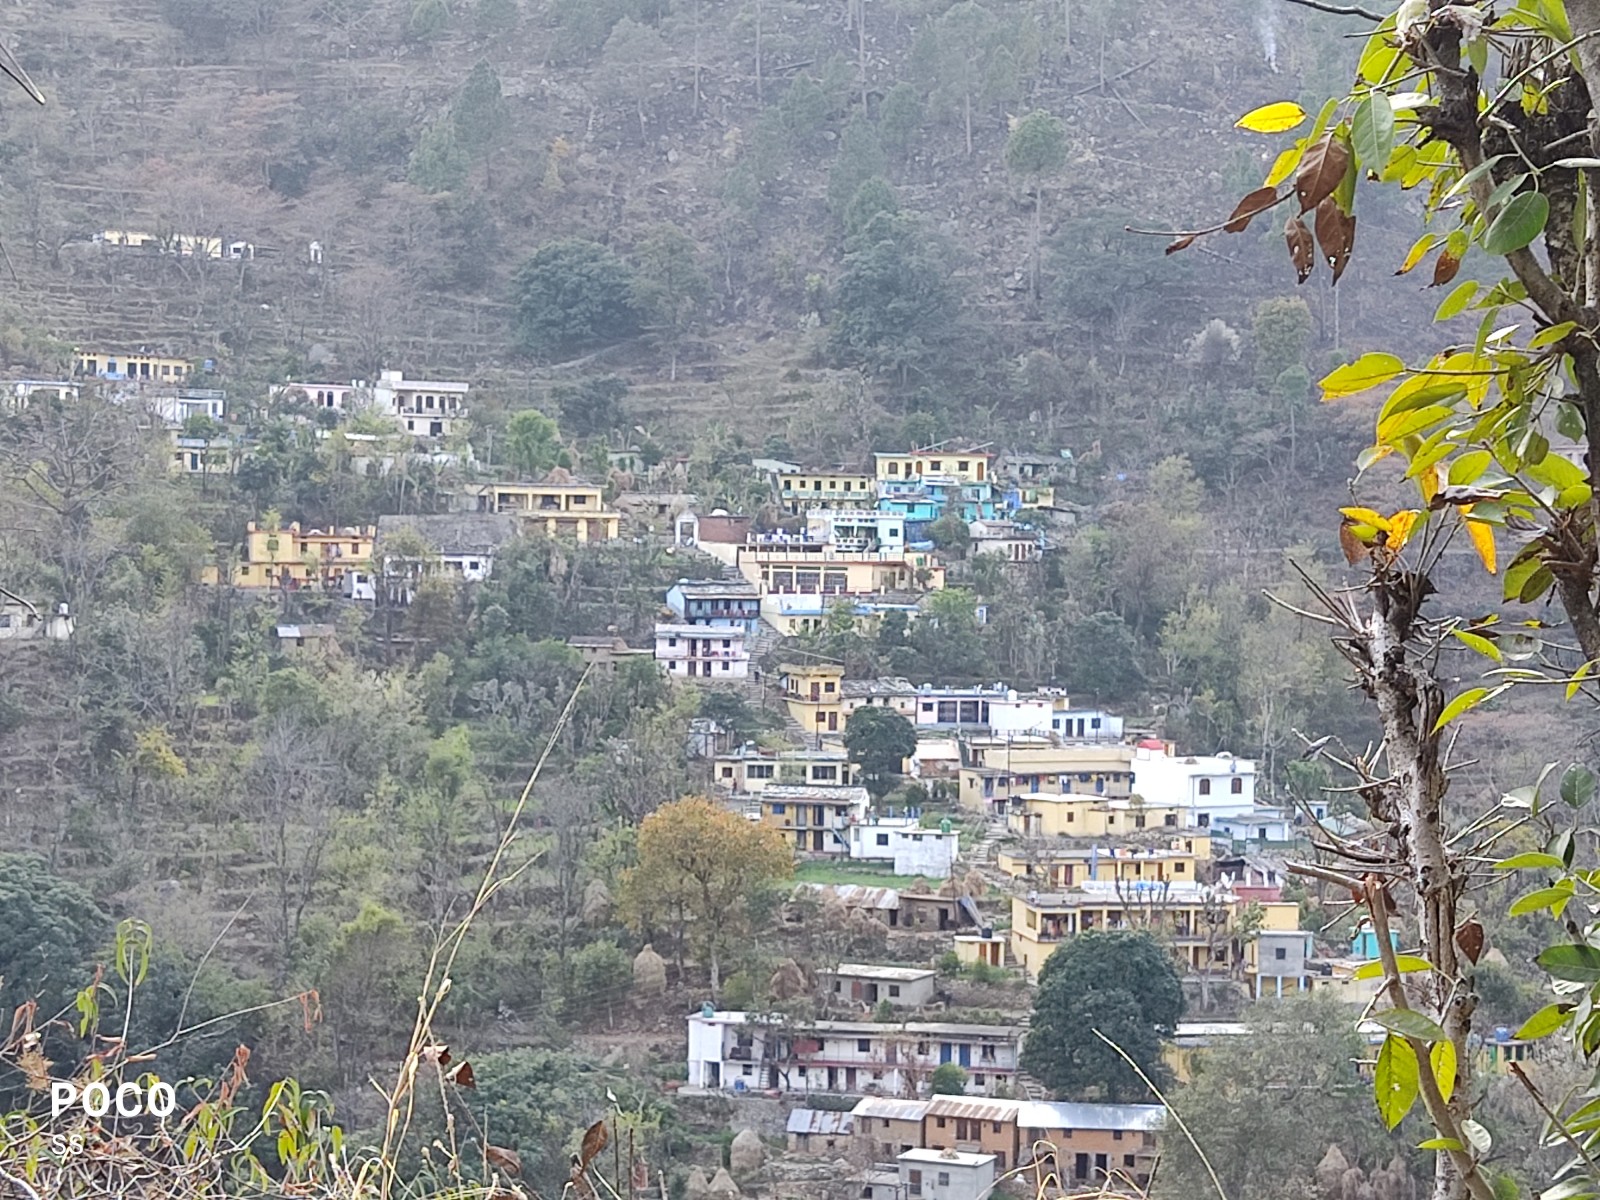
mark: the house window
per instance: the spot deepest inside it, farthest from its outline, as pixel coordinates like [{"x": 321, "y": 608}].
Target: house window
[
  {"x": 883, "y": 839},
  {"x": 894, "y": 468},
  {"x": 1205, "y": 787},
  {"x": 995, "y": 1126},
  {"x": 944, "y": 1178},
  {"x": 939, "y": 1121},
  {"x": 1180, "y": 868},
  {"x": 978, "y": 1081},
  {"x": 962, "y": 466},
  {"x": 777, "y": 810},
  {"x": 1236, "y": 786},
  {"x": 828, "y": 687},
  {"x": 1116, "y": 1135},
  {"x": 1280, "y": 953},
  {"x": 472, "y": 564},
  {"x": 863, "y": 1045},
  {"x": 1094, "y": 722},
  {"x": 672, "y": 641},
  {"x": 936, "y": 465},
  {"x": 838, "y": 985},
  {"x": 894, "y": 988}
]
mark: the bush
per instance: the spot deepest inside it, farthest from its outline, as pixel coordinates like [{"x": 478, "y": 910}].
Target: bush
[{"x": 948, "y": 1079}]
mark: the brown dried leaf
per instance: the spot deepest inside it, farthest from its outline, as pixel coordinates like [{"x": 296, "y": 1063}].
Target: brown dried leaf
[
  {"x": 462, "y": 1075},
  {"x": 35, "y": 1068},
  {"x": 594, "y": 1141},
  {"x": 1457, "y": 494},
  {"x": 508, "y": 1161},
  {"x": 1444, "y": 269},
  {"x": 1323, "y": 166},
  {"x": 1336, "y": 234},
  {"x": 1302, "y": 251},
  {"x": 438, "y": 1053},
  {"x": 1182, "y": 243},
  {"x": 1256, "y": 203},
  {"x": 1354, "y": 548},
  {"x": 1469, "y": 939}
]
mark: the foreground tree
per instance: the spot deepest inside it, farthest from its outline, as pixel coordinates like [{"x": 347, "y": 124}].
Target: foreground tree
[
  {"x": 1122, "y": 985},
  {"x": 1500, "y": 435},
  {"x": 700, "y": 871}
]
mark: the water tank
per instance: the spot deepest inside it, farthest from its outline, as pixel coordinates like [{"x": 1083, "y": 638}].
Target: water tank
[
  {"x": 708, "y": 1009},
  {"x": 944, "y": 825},
  {"x": 1502, "y": 1033}
]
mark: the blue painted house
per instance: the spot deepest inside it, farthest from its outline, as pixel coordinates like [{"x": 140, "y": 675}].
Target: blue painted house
[{"x": 716, "y": 602}]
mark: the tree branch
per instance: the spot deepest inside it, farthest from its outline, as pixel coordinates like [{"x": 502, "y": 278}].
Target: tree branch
[{"x": 1339, "y": 10}]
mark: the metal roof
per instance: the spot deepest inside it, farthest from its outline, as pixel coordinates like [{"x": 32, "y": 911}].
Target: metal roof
[
  {"x": 820, "y": 1120},
  {"x": 1043, "y": 1114},
  {"x": 888, "y": 1108},
  {"x": 306, "y": 631},
  {"x": 856, "y": 895},
  {"x": 973, "y": 1108}
]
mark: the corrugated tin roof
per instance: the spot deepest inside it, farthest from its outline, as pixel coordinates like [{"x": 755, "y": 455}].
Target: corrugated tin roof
[
  {"x": 858, "y": 895},
  {"x": 306, "y": 631},
  {"x": 887, "y": 1108},
  {"x": 1043, "y": 1114},
  {"x": 820, "y": 1120},
  {"x": 973, "y": 1108}
]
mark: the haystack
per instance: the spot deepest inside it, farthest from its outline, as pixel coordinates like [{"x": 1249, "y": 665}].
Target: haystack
[
  {"x": 747, "y": 1153},
  {"x": 723, "y": 1187},
  {"x": 596, "y": 903},
  {"x": 649, "y": 972},
  {"x": 696, "y": 1187},
  {"x": 788, "y": 981}
]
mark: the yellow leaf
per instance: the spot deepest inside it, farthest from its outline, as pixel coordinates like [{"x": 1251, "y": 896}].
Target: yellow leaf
[
  {"x": 1366, "y": 516},
  {"x": 1401, "y": 524},
  {"x": 1272, "y": 118},
  {"x": 1283, "y": 166},
  {"x": 1482, "y": 535},
  {"x": 1418, "y": 252},
  {"x": 1428, "y": 481},
  {"x": 1366, "y": 372}
]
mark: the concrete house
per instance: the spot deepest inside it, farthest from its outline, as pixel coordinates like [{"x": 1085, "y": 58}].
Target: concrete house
[
  {"x": 912, "y": 849},
  {"x": 140, "y": 365},
  {"x": 559, "y": 506},
  {"x": 1207, "y": 785},
  {"x": 801, "y": 490},
  {"x": 20, "y": 621},
  {"x": 814, "y": 819},
  {"x": 461, "y": 545},
  {"x": 856, "y": 984},
  {"x": 605, "y": 654},
  {"x": 424, "y": 407},
  {"x": 946, "y": 1175},
  {"x": 703, "y": 651},
  {"x": 886, "y": 1128},
  {"x": 294, "y": 558},
  {"x": 749, "y": 770},
  {"x": 716, "y": 602}
]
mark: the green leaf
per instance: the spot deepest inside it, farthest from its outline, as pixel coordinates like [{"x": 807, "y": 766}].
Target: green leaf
[
  {"x": 1578, "y": 785},
  {"x": 1440, "y": 1143},
  {"x": 1442, "y": 1058},
  {"x": 1518, "y": 223},
  {"x": 1477, "y": 1136},
  {"x": 1481, "y": 644},
  {"x": 1366, "y": 372},
  {"x": 1551, "y": 335},
  {"x": 1403, "y": 962},
  {"x": 1396, "y": 1080},
  {"x": 1409, "y": 1023},
  {"x": 1372, "y": 130},
  {"x": 1465, "y": 702},
  {"x": 1569, "y": 421},
  {"x": 1520, "y": 575},
  {"x": 1456, "y": 302},
  {"x": 1553, "y": 898},
  {"x": 1574, "y": 962},
  {"x": 1557, "y": 471},
  {"x": 1469, "y": 467},
  {"x": 1544, "y": 1022}
]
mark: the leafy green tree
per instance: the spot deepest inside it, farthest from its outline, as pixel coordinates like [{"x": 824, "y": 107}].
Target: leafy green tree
[
  {"x": 49, "y": 932},
  {"x": 900, "y": 116},
  {"x": 571, "y": 295},
  {"x": 947, "y": 640},
  {"x": 601, "y": 975},
  {"x": 880, "y": 740},
  {"x": 957, "y": 54},
  {"x": 948, "y": 1079},
  {"x": 532, "y": 442},
  {"x": 896, "y": 306},
  {"x": 1099, "y": 657},
  {"x": 874, "y": 196},
  {"x": 438, "y": 164},
  {"x": 479, "y": 115},
  {"x": 733, "y": 713},
  {"x": 1266, "y": 1107},
  {"x": 860, "y": 158},
  {"x": 670, "y": 289},
  {"x": 1035, "y": 152},
  {"x": 1122, "y": 983},
  {"x": 950, "y": 534},
  {"x": 591, "y": 406}
]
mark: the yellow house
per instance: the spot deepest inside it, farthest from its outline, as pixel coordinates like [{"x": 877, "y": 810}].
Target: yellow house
[
  {"x": 814, "y": 819},
  {"x": 802, "y": 490},
  {"x": 558, "y": 507},
  {"x": 972, "y": 948},
  {"x": 1065, "y": 866},
  {"x": 999, "y": 768},
  {"x": 111, "y": 364},
  {"x": 814, "y": 693},
  {"x": 1070, "y": 815},
  {"x": 295, "y": 558},
  {"x": 1198, "y": 922},
  {"x": 817, "y": 568},
  {"x": 969, "y": 466}
]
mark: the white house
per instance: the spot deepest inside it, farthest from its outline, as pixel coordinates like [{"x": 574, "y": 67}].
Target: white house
[
  {"x": 703, "y": 651},
  {"x": 22, "y": 622},
  {"x": 427, "y": 408},
  {"x": 21, "y": 391},
  {"x": 1209, "y": 786},
  {"x": 336, "y": 397},
  {"x": 946, "y": 1174},
  {"x": 738, "y": 1052},
  {"x": 174, "y": 406},
  {"x": 461, "y": 545},
  {"x": 1011, "y": 541},
  {"x": 1259, "y": 825},
  {"x": 858, "y": 528},
  {"x": 865, "y": 984},
  {"x": 902, "y": 841}
]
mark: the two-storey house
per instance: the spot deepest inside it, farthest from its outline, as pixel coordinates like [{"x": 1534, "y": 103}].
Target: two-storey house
[
  {"x": 814, "y": 820},
  {"x": 716, "y": 602},
  {"x": 559, "y": 506},
  {"x": 703, "y": 651}
]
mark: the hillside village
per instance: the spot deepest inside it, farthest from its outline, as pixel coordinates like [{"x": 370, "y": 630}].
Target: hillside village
[{"x": 1014, "y": 822}]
